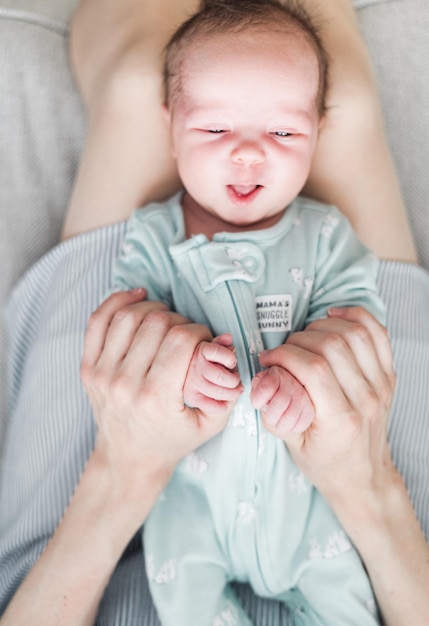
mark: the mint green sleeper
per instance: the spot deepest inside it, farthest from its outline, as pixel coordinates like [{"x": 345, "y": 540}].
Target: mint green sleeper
[{"x": 238, "y": 509}]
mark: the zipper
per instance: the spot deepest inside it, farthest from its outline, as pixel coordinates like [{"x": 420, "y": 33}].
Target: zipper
[{"x": 251, "y": 346}]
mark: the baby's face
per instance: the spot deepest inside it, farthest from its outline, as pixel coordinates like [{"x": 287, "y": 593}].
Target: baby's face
[{"x": 244, "y": 126}]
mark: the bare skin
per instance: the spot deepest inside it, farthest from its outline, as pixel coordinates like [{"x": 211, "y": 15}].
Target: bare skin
[
  {"x": 117, "y": 66},
  {"x": 213, "y": 384},
  {"x": 127, "y": 158},
  {"x": 352, "y": 166}
]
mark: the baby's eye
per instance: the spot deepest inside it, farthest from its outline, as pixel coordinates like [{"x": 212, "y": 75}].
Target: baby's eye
[
  {"x": 215, "y": 130},
  {"x": 282, "y": 133}
]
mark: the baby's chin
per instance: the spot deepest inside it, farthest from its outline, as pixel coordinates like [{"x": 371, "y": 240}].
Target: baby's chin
[{"x": 251, "y": 223}]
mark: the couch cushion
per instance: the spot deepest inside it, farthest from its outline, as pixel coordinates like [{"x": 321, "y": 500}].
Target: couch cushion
[
  {"x": 41, "y": 130},
  {"x": 56, "y": 12}
]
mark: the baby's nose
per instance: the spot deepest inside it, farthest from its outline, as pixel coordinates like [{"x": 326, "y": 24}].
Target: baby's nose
[{"x": 248, "y": 153}]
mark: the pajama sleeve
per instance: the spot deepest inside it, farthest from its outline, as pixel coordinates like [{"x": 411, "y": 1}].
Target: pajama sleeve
[
  {"x": 143, "y": 260},
  {"x": 346, "y": 271}
]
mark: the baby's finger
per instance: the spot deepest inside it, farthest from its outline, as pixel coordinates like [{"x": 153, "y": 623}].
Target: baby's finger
[
  {"x": 224, "y": 340},
  {"x": 219, "y": 375},
  {"x": 306, "y": 415},
  {"x": 290, "y": 408},
  {"x": 264, "y": 386},
  {"x": 214, "y": 408},
  {"x": 217, "y": 353},
  {"x": 219, "y": 393}
]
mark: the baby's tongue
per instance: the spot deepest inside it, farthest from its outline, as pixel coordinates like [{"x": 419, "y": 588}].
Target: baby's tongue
[{"x": 244, "y": 190}]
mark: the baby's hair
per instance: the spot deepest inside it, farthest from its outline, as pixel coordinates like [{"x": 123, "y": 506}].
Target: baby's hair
[{"x": 233, "y": 16}]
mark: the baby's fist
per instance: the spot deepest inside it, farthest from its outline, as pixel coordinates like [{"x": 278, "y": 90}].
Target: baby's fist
[{"x": 284, "y": 403}]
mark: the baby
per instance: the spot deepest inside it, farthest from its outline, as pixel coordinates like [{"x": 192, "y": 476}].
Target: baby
[{"x": 239, "y": 251}]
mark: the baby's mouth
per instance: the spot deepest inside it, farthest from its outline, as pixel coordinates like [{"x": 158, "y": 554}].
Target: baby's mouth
[{"x": 244, "y": 190}]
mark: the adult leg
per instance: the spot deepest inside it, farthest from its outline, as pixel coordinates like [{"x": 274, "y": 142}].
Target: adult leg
[
  {"x": 353, "y": 167},
  {"x": 116, "y": 52}
]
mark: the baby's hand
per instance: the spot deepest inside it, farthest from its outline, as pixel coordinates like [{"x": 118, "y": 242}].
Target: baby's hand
[
  {"x": 284, "y": 403},
  {"x": 213, "y": 383}
]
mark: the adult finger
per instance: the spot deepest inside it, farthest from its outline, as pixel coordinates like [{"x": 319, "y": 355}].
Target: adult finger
[
  {"x": 332, "y": 347},
  {"x": 314, "y": 373},
  {"x": 366, "y": 323},
  {"x": 123, "y": 328},
  {"x": 340, "y": 334},
  {"x": 369, "y": 343},
  {"x": 144, "y": 342},
  {"x": 171, "y": 363},
  {"x": 100, "y": 320}
]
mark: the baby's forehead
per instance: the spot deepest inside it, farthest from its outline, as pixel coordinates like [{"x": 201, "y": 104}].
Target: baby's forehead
[
  {"x": 256, "y": 57},
  {"x": 252, "y": 39},
  {"x": 251, "y": 54},
  {"x": 260, "y": 86},
  {"x": 254, "y": 54}
]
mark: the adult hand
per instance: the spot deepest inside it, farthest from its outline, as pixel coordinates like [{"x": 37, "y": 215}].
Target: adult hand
[
  {"x": 136, "y": 357},
  {"x": 345, "y": 364}
]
